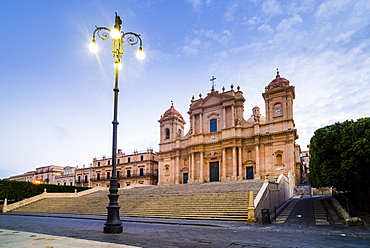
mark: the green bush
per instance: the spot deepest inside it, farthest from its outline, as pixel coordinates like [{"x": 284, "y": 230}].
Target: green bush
[{"x": 19, "y": 190}]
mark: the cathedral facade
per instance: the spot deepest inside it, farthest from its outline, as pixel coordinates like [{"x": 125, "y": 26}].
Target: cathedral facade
[{"x": 223, "y": 146}]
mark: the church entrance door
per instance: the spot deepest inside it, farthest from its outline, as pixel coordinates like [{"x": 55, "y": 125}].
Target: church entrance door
[
  {"x": 185, "y": 177},
  {"x": 250, "y": 172},
  {"x": 214, "y": 172}
]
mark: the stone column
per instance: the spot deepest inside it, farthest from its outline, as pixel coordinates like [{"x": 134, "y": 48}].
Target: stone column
[
  {"x": 234, "y": 163},
  {"x": 193, "y": 123},
  {"x": 258, "y": 167},
  {"x": 177, "y": 169},
  {"x": 224, "y": 161},
  {"x": 224, "y": 117},
  {"x": 191, "y": 176},
  {"x": 240, "y": 163},
  {"x": 201, "y": 168},
  {"x": 232, "y": 115},
  {"x": 201, "y": 123}
]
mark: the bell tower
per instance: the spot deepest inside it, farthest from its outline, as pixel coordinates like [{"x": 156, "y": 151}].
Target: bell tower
[
  {"x": 279, "y": 96},
  {"x": 171, "y": 127}
]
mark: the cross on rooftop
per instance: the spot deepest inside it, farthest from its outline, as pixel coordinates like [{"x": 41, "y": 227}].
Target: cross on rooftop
[{"x": 213, "y": 83}]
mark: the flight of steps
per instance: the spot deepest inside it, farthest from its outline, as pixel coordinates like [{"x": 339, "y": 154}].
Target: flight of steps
[{"x": 210, "y": 201}]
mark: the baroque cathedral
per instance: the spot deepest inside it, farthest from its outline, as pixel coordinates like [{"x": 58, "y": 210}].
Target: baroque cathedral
[{"x": 223, "y": 146}]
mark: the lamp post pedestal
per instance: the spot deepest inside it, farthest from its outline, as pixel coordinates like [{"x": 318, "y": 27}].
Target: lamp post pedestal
[{"x": 113, "y": 223}]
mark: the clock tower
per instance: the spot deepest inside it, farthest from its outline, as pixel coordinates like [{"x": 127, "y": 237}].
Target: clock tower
[{"x": 279, "y": 96}]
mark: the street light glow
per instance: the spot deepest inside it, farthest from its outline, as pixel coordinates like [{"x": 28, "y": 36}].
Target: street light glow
[
  {"x": 115, "y": 34},
  {"x": 93, "y": 47},
  {"x": 140, "y": 54},
  {"x": 118, "y": 65}
]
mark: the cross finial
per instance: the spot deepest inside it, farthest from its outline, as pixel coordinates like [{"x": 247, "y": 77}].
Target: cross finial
[
  {"x": 213, "y": 82},
  {"x": 277, "y": 72},
  {"x": 171, "y": 103}
]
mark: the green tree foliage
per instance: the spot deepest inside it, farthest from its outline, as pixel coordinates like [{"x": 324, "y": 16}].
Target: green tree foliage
[
  {"x": 340, "y": 156},
  {"x": 19, "y": 190}
]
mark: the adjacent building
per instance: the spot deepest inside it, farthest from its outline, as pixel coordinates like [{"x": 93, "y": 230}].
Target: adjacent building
[
  {"x": 44, "y": 174},
  {"x": 134, "y": 168}
]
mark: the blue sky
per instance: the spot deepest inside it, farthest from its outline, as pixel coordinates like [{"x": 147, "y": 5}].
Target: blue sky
[{"x": 56, "y": 101}]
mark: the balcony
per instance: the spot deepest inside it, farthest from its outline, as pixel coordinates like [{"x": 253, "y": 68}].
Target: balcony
[
  {"x": 82, "y": 183},
  {"x": 102, "y": 178}
]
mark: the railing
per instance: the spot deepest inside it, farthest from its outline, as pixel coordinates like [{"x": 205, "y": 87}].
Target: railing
[
  {"x": 10, "y": 207},
  {"x": 272, "y": 195},
  {"x": 346, "y": 204},
  {"x": 82, "y": 183},
  {"x": 149, "y": 150}
]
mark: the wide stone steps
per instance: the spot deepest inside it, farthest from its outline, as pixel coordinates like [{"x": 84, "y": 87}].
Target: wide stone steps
[{"x": 151, "y": 202}]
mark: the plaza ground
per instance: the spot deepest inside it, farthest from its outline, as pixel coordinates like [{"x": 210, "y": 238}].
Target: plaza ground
[{"x": 76, "y": 230}]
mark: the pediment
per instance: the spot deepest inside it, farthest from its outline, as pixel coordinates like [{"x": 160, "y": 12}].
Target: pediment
[
  {"x": 249, "y": 161},
  {"x": 210, "y": 100}
]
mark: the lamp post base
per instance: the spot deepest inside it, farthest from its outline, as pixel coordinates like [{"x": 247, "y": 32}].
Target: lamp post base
[
  {"x": 113, "y": 229},
  {"x": 113, "y": 223}
]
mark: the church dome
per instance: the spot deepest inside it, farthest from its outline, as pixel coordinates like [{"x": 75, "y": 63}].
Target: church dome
[
  {"x": 278, "y": 81},
  {"x": 172, "y": 112}
]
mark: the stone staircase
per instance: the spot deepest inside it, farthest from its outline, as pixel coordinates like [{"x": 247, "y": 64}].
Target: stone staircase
[{"x": 209, "y": 201}]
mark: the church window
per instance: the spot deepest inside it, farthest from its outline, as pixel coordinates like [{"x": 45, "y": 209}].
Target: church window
[
  {"x": 279, "y": 159},
  {"x": 128, "y": 160},
  {"x": 167, "y": 133},
  {"x": 118, "y": 172},
  {"x": 141, "y": 157},
  {"x": 85, "y": 178},
  {"x": 108, "y": 175},
  {"x": 213, "y": 125},
  {"x": 128, "y": 173},
  {"x": 108, "y": 162},
  {"x": 79, "y": 179},
  {"x": 141, "y": 172},
  {"x": 117, "y": 161},
  {"x": 98, "y": 176},
  {"x": 98, "y": 163}
]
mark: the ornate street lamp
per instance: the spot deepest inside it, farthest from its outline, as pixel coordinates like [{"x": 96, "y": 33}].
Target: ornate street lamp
[{"x": 119, "y": 40}]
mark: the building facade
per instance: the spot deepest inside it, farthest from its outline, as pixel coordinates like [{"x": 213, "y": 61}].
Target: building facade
[
  {"x": 222, "y": 146},
  {"x": 45, "y": 174},
  {"x": 67, "y": 178},
  {"x": 132, "y": 169}
]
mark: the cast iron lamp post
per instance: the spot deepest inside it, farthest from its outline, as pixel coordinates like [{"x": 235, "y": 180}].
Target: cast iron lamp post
[{"x": 119, "y": 40}]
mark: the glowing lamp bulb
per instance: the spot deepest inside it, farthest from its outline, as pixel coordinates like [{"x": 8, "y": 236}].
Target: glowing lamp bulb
[
  {"x": 93, "y": 47},
  {"x": 118, "y": 65},
  {"x": 140, "y": 54},
  {"x": 115, "y": 34}
]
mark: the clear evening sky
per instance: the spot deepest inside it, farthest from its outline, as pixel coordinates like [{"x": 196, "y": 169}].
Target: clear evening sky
[{"x": 56, "y": 96}]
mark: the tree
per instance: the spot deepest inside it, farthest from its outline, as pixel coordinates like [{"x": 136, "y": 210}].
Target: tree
[{"x": 340, "y": 156}]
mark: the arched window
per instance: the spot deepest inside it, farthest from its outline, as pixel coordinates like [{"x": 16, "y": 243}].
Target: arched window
[
  {"x": 167, "y": 133},
  {"x": 213, "y": 125}
]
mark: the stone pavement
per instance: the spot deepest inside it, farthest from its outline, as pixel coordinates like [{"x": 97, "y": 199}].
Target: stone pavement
[
  {"x": 156, "y": 233},
  {"x": 11, "y": 239}
]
